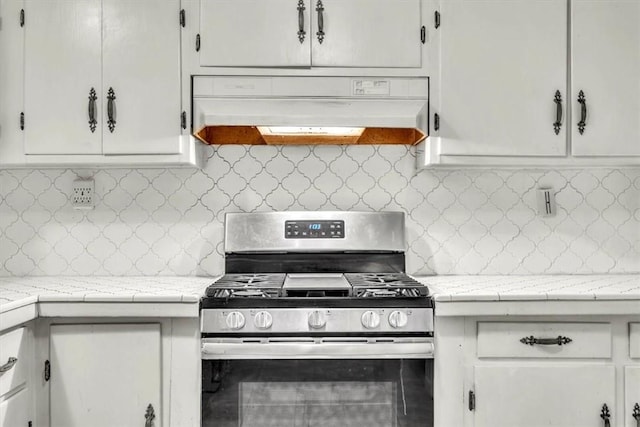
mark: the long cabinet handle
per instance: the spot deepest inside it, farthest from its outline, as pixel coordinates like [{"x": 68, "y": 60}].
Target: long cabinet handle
[
  {"x": 11, "y": 362},
  {"x": 320, "y": 32},
  {"x": 557, "y": 125},
  {"x": 560, "y": 340},
  {"x": 92, "y": 110},
  {"x": 582, "y": 124},
  {"x": 636, "y": 414},
  {"x": 111, "y": 109},
  {"x": 605, "y": 415},
  {"x": 301, "y": 32}
]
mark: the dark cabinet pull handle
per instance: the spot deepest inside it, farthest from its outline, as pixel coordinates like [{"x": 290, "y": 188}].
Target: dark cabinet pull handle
[
  {"x": 605, "y": 415},
  {"x": 320, "y": 33},
  {"x": 557, "y": 125},
  {"x": 560, "y": 340},
  {"x": 149, "y": 416},
  {"x": 92, "y": 110},
  {"x": 636, "y": 414},
  {"x": 111, "y": 109},
  {"x": 583, "y": 112},
  {"x": 11, "y": 362},
  {"x": 301, "y": 32}
]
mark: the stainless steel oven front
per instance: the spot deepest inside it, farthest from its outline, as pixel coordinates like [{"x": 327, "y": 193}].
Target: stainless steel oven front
[{"x": 382, "y": 381}]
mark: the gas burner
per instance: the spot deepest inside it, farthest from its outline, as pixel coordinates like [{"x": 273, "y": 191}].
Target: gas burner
[
  {"x": 247, "y": 286},
  {"x": 385, "y": 285}
]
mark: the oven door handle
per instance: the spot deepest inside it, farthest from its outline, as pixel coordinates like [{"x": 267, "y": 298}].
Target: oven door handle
[{"x": 317, "y": 350}]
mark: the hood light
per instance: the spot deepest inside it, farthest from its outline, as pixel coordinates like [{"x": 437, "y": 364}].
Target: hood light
[{"x": 308, "y": 131}]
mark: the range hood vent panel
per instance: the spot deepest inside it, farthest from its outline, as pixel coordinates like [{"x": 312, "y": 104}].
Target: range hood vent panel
[{"x": 228, "y": 119}]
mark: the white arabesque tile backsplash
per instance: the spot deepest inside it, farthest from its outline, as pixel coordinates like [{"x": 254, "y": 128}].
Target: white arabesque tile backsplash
[{"x": 462, "y": 221}]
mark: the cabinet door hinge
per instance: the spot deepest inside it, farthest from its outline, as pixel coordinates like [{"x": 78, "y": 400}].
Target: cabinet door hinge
[
  {"x": 22, "y": 17},
  {"x": 183, "y": 120},
  {"x": 423, "y": 34},
  {"x": 183, "y": 18},
  {"x": 21, "y": 121},
  {"x": 198, "y": 43},
  {"x": 47, "y": 370},
  {"x": 472, "y": 400},
  {"x": 436, "y": 122},
  {"x": 437, "y": 19}
]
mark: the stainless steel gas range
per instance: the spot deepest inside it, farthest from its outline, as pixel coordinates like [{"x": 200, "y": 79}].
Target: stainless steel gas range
[{"x": 316, "y": 323}]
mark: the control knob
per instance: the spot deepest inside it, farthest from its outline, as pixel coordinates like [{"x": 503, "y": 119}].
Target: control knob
[
  {"x": 398, "y": 319},
  {"x": 263, "y": 320},
  {"x": 317, "y": 320},
  {"x": 235, "y": 320},
  {"x": 370, "y": 319}
]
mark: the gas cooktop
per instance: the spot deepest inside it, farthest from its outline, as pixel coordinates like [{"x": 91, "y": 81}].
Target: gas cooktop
[{"x": 281, "y": 285}]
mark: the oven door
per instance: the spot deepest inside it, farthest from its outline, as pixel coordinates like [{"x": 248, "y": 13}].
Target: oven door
[{"x": 317, "y": 382}]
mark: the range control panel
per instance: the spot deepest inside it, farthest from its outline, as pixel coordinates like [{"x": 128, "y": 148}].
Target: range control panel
[{"x": 321, "y": 229}]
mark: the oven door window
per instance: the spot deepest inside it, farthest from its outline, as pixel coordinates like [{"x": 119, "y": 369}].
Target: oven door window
[{"x": 317, "y": 393}]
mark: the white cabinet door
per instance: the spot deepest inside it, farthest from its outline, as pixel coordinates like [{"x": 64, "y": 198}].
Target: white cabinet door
[
  {"x": 255, "y": 33},
  {"x": 631, "y": 396},
  {"x": 104, "y": 375},
  {"x": 502, "y": 62},
  {"x": 366, "y": 33},
  {"x": 15, "y": 411},
  {"x": 553, "y": 395},
  {"x": 605, "y": 55},
  {"x": 62, "y": 65},
  {"x": 11, "y": 81},
  {"x": 141, "y": 64}
]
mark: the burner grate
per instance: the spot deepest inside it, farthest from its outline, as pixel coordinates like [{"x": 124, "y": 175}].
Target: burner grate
[
  {"x": 247, "y": 286},
  {"x": 385, "y": 285}
]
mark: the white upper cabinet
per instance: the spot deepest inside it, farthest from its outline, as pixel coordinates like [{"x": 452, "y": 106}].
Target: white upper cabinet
[
  {"x": 141, "y": 65},
  {"x": 311, "y": 33},
  {"x": 11, "y": 81},
  {"x": 250, "y": 33},
  {"x": 366, "y": 33},
  {"x": 63, "y": 66},
  {"x": 501, "y": 64},
  {"x": 605, "y": 78},
  {"x": 102, "y": 84},
  {"x": 501, "y": 95}
]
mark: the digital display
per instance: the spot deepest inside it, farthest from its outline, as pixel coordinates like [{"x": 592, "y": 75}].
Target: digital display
[{"x": 315, "y": 229}]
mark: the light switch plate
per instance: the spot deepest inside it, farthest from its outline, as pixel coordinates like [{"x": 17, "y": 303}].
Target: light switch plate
[{"x": 546, "y": 201}]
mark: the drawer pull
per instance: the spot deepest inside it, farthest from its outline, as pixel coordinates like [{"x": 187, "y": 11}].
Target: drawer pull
[
  {"x": 560, "y": 340},
  {"x": 605, "y": 415},
  {"x": 636, "y": 414},
  {"x": 10, "y": 364}
]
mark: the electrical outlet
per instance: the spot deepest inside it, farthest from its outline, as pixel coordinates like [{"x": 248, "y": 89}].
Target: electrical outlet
[{"x": 82, "y": 194}]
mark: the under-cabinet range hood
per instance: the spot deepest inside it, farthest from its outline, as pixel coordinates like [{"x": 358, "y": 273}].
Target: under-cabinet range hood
[{"x": 309, "y": 110}]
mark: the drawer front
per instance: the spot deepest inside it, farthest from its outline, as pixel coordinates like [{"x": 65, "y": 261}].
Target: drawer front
[
  {"x": 15, "y": 410},
  {"x": 540, "y": 340},
  {"x": 13, "y": 345},
  {"x": 634, "y": 340}
]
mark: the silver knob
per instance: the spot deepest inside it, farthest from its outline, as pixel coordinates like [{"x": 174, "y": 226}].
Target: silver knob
[
  {"x": 370, "y": 319},
  {"x": 235, "y": 320},
  {"x": 398, "y": 319},
  {"x": 317, "y": 320},
  {"x": 263, "y": 320}
]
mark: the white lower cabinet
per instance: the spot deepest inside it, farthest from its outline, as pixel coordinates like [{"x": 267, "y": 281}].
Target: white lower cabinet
[
  {"x": 541, "y": 394},
  {"x": 535, "y": 371},
  {"x": 632, "y": 396},
  {"x": 105, "y": 375},
  {"x": 16, "y": 410}
]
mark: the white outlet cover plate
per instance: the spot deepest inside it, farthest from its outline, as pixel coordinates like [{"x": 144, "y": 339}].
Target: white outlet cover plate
[{"x": 82, "y": 194}]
